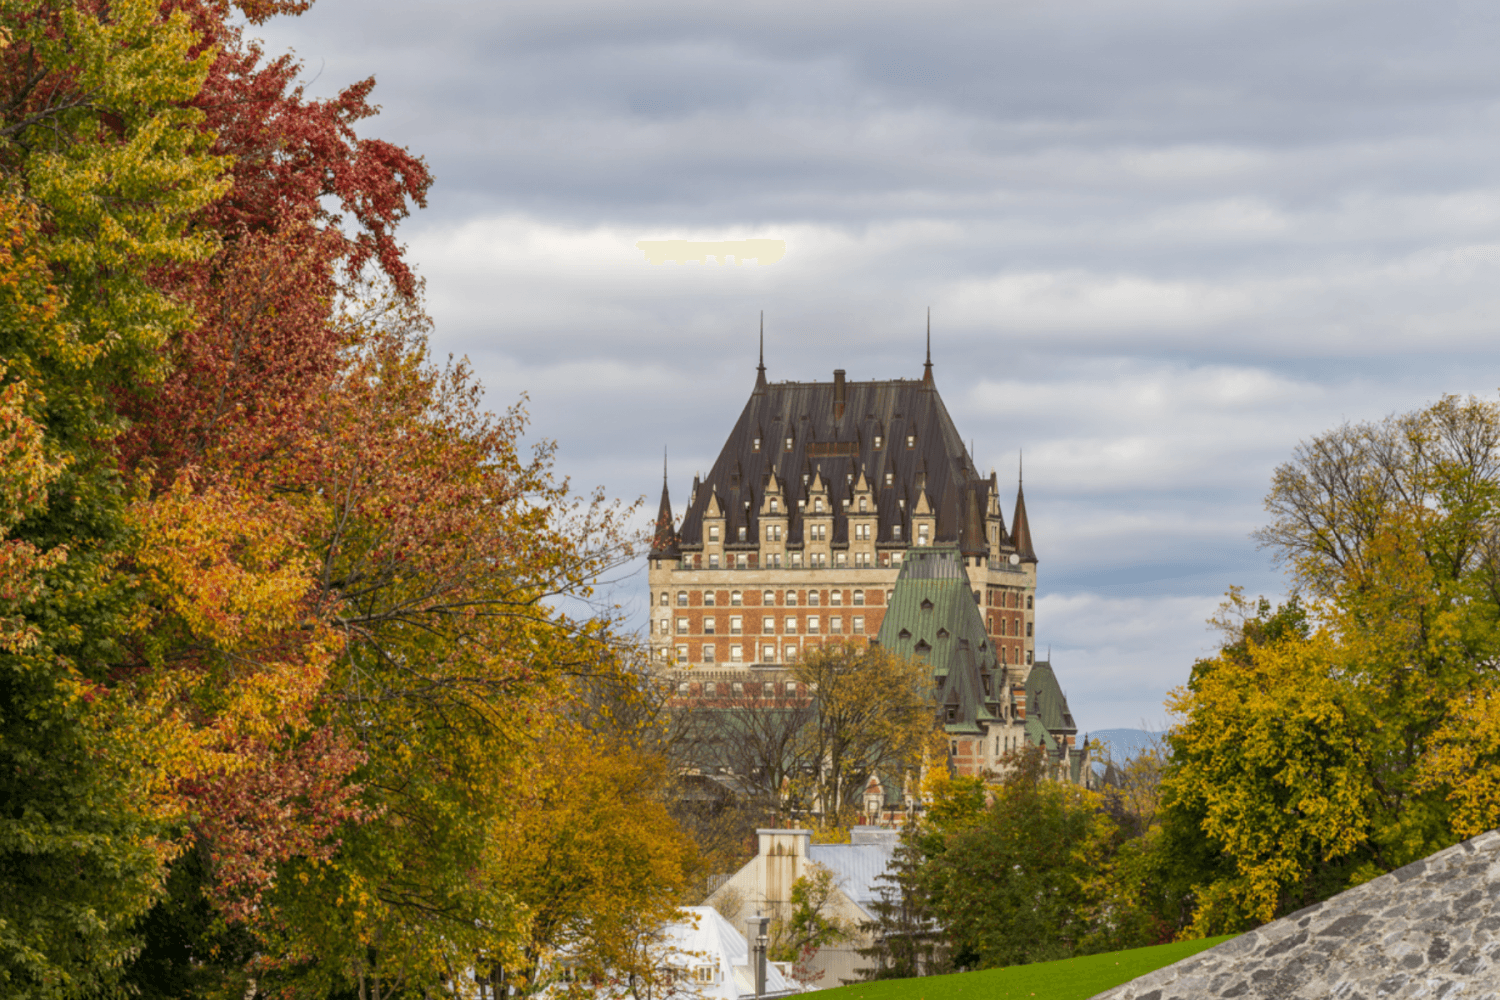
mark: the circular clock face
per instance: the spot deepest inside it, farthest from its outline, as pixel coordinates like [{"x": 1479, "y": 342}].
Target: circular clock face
[{"x": 1015, "y": 560}]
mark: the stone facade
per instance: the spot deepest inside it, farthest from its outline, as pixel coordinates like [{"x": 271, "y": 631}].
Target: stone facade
[{"x": 1431, "y": 929}]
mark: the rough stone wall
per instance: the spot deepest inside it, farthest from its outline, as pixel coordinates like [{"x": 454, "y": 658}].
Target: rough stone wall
[{"x": 1431, "y": 929}]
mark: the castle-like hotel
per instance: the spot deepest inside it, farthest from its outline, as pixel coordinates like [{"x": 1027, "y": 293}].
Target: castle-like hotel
[{"x": 852, "y": 510}]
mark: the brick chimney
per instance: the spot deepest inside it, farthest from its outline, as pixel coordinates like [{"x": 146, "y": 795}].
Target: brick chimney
[{"x": 838, "y": 394}]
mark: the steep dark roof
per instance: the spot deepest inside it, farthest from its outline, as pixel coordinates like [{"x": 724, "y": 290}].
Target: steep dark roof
[{"x": 833, "y": 427}]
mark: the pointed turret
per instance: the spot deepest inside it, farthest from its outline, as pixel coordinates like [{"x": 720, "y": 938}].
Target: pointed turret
[
  {"x": 664, "y": 541},
  {"x": 1020, "y": 527},
  {"x": 760, "y": 369}
]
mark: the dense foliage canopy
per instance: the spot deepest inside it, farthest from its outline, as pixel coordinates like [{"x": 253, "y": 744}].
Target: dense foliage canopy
[{"x": 283, "y": 682}]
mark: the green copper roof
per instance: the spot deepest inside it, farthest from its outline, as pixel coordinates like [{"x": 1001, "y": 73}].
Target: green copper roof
[
  {"x": 1045, "y": 700},
  {"x": 933, "y": 617}
]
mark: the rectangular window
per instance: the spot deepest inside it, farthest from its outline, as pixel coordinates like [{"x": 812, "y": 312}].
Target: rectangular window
[
  {"x": 713, "y": 533},
  {"x": 735, "y": 627},
  {"x": 791, "y": 625},
  {"x": 736, "y": 599},
  {"x": 841, "y": 559},
  {"x": 708, "y": 625},
  {"x": 836, "y": 598},
  {"x": 791, "y": 687},
  {"x": 683, "y": 687},
  {"x": 768, "y": 654},
  {"x": 710, "y": 689},
  {"x": 896, "y": 532},
  {"x": 713, "y": 561},
  {"x": 859, "y": 624},
  {"x": 682, "y": 626},
  {"x": 796, "y": 559},
  {"x": 1028, "y": 628},
  {"x": 708, "y": 598},
  {"x": 889, "y": 478},
  {"x": 736, "y": 654},
  {"x": 812, "y": 624},
  {"x": 767, "y": 625},
  {"x": 859, "y": 598},
  {"x": 738, "y": 689},
  {"x": 789, "y": 654},
  {"x": 791, "y": 598},
  {"x": 682, "y": 656},
  {"x": 836, "y": 625},
  {"x": 682, "y": 598},
  {"x": 708, "y": 654}
]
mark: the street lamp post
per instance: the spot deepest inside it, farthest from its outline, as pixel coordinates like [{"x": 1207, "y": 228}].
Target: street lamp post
[{"x": 755, "y": 933}]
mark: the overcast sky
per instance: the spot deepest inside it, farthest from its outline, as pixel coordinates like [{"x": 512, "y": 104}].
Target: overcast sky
[{"x": 1162, "y": 240}]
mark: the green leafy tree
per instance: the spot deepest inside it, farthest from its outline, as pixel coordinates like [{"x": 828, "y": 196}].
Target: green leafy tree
[{"x": 1015, "y": 887}]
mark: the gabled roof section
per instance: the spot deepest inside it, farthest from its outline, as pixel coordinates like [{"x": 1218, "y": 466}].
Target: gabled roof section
[
  {"x": 1045, "y": 700},
  {"x": 933, "y": 617}
]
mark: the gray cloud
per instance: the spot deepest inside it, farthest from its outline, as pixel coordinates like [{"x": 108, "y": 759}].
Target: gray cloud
[{"x": 1163, "y": 241}]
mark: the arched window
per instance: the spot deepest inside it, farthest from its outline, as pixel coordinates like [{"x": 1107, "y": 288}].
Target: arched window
[
  {"x": 682, "y": 598},
  {"x": 664, "y": 601},
  {"x": 859, "y": 598},
  {"x": 768, "y": 598}
]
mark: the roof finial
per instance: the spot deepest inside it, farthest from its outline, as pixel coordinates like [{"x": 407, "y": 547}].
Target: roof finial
[
  {"x": 664, "y": 465},
  {"x": 760, "y": 370},
  {"x": 927, "y": 368},
  {"x": 1020, "y": 466}
]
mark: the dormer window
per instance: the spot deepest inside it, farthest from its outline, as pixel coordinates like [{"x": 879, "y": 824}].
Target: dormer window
[
  {"x": 879, "y": 440},
  {"x": 896, "y": 532},
  {"x": 742, "y": 532},
  {"x": 774, "y": 505},
  {"x": 755, "y": 445},
  {"x": 926, "y": 604},
  {"x": 890, "y": 478},
  {"x": 911, "y": 440},
  {"x": 713, "y": 533},
  {"x": 788, "y": 442},
  {"x": 864, "y": 505},
  {"x": 818, "y": 505}
]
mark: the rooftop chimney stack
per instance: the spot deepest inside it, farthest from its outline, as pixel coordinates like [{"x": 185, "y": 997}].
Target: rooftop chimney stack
[{"x": 838, "y": 394}]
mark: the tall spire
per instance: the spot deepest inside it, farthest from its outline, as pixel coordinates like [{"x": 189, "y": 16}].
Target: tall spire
[
  {"x": 760, "y": 371},
  {"x": 664, "y": 541},
  {"x": 927, "y": 368},
  {"x": 1020, "y": 527}
]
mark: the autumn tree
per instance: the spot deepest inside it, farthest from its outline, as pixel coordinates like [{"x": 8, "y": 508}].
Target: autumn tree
[
  {"x": 1319, "y": 756},
  {"x": 871, "y": 714}
]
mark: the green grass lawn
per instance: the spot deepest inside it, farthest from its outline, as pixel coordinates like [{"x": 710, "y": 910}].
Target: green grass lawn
[{"x": 1069, "y": 979}]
